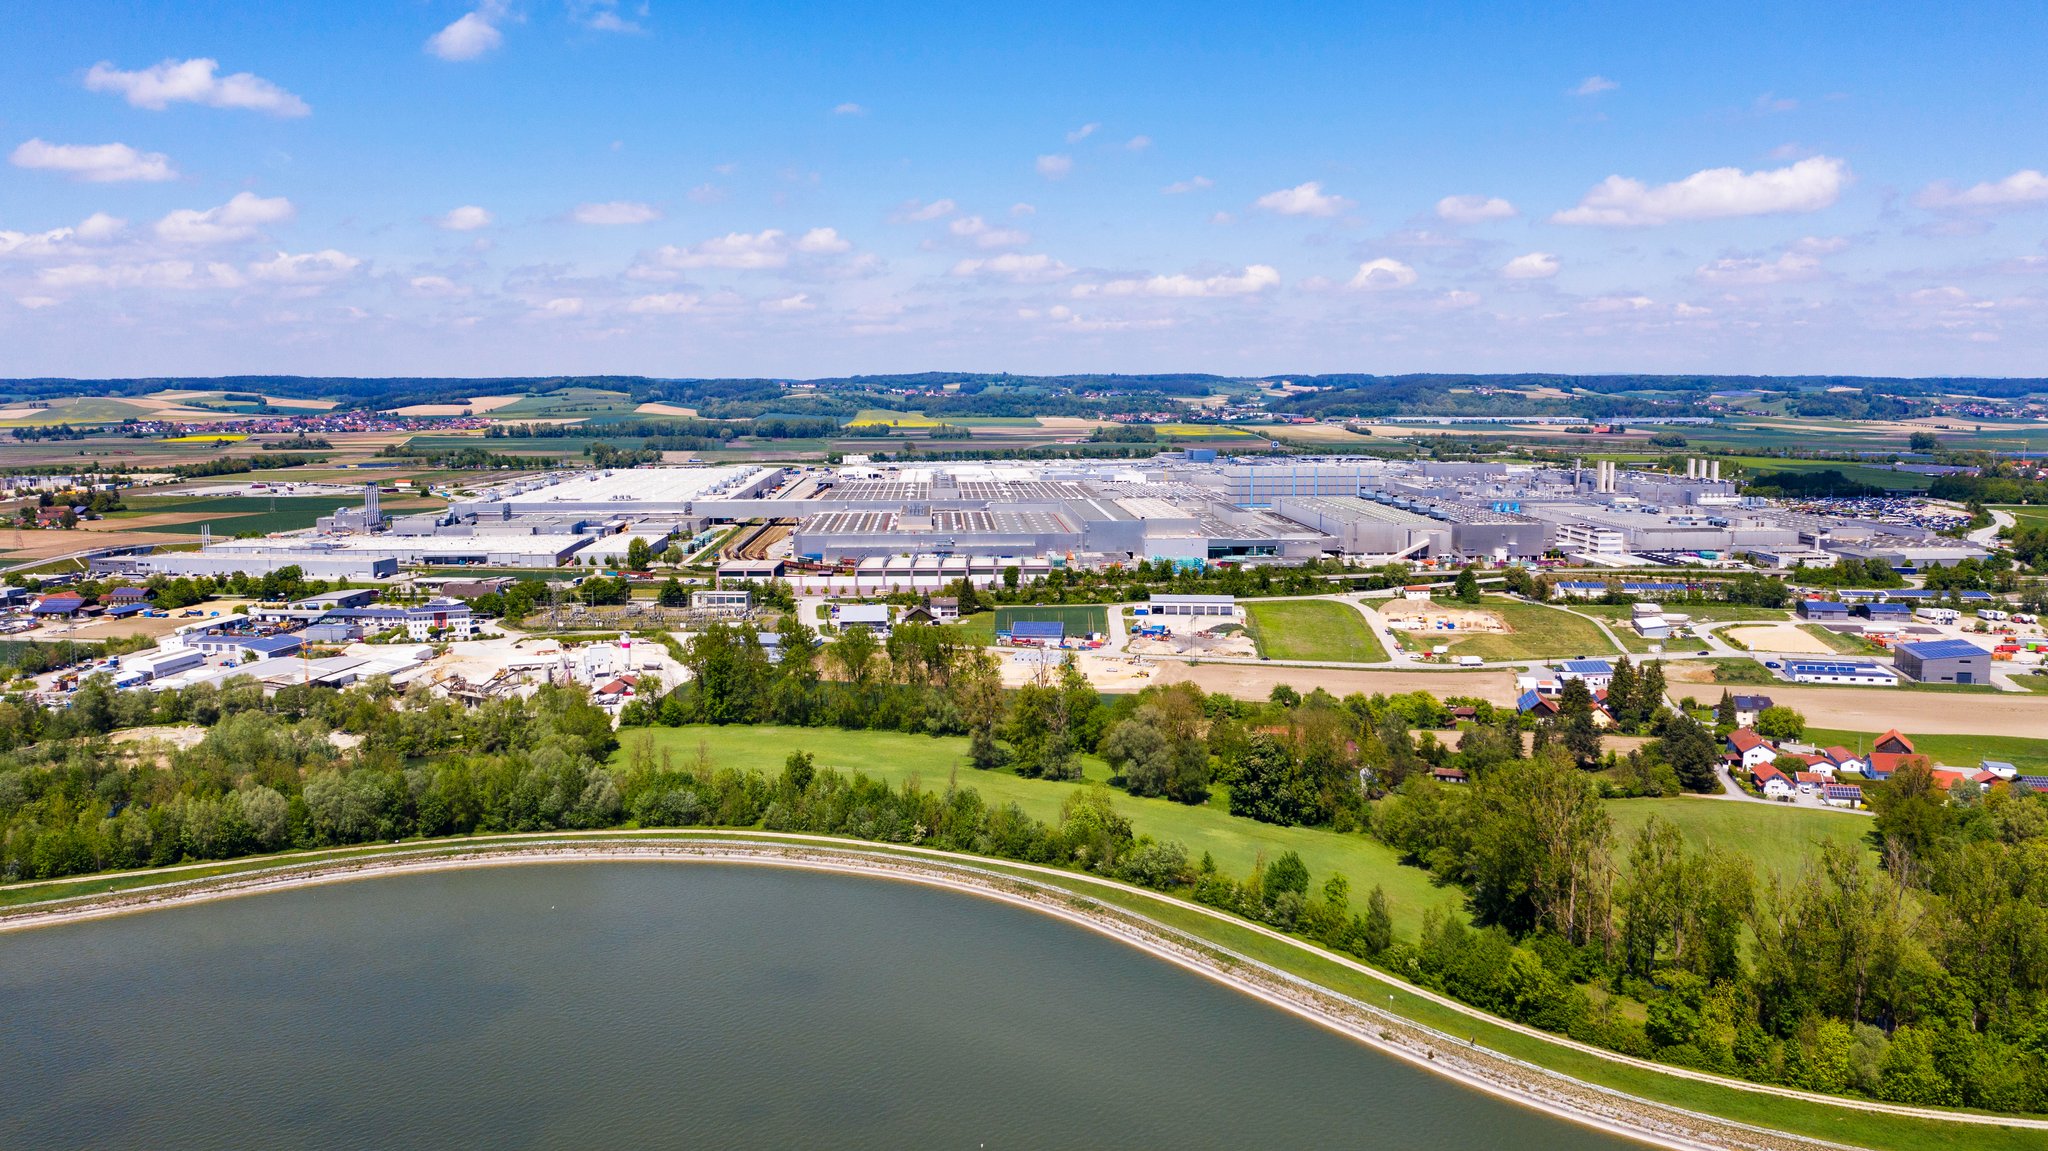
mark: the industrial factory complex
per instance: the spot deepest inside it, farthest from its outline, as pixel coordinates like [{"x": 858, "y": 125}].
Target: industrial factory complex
[{"x": 932, "y": 524}]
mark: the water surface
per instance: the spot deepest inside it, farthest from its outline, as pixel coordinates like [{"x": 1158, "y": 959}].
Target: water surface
[{"x": 629, "y": 1005}]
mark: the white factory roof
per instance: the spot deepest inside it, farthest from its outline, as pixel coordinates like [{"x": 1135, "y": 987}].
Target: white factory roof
[{"x": 641, "y": 485}]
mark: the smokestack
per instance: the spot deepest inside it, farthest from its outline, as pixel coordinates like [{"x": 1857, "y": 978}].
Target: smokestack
[{"x": 1578, "y": 466}]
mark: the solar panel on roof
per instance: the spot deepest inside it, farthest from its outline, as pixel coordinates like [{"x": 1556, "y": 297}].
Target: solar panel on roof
[{"x": 1943, "y": 649}]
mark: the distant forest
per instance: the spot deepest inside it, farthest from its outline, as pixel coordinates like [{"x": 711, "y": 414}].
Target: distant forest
[{"x": 975, "y": 394}]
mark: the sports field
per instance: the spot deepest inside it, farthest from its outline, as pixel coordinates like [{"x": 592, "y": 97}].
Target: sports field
[
  {"x": 1324, "y": 631},
  {"x": 1079, "y": 618}
]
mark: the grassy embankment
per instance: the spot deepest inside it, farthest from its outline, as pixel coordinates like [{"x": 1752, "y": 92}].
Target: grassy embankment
[{"x": 1315, "y": 630}]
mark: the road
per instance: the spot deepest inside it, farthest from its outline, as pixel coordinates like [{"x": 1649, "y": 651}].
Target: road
[{"x": 1986, "y": 536}]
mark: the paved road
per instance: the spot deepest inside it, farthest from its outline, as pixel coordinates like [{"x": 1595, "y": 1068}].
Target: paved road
[{"x": 1986, "y": 536}]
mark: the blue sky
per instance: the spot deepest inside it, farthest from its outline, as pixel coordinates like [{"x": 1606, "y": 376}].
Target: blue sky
[{"x": 543, "y": 186}]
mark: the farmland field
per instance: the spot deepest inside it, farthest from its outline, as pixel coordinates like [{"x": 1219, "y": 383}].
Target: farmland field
[
  {"x": 593, "y": 404},
  {"x": 873, "y": 417},
  {"x": 1323, "y": 631},
  {"x": 1079, "y": 618}
]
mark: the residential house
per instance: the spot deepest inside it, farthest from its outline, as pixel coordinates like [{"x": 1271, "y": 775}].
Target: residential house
[
  {"x": 1773, "y": 783},
  {"x": 1748, "y": 708},
  {"x": 1749, "y": 750},
  {"x": 1449, "y": 775}
]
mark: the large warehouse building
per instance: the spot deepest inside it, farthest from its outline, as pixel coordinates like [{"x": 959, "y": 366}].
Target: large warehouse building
[{"x": 1175, "y": 506}]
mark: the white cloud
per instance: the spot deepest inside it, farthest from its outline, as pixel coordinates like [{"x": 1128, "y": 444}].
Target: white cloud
[
  {"x": 1473, "y": 209},
  {"x": 1457, "y": 298},
  {"x": 1303, "y": 200},
  {"x": 467, "y": 218},
  {"x": 562, "y": 306},
  {"x": 1604, "y": 305},
  {"x": 193, "y": 82},
  {"x": 1715, "y": 193},
  {"x": 616, "y": 212},
  {"x": 161, "y": 274},
  {"x": 237, "y": 219},
  {"x": 1082, "y": 133},
  {"x": 849, "y": 109},
  {"x": 1533, "y": 266},
  {"x": 603, "y": 16},
  {"x": 1016, "y": 267},
  {"x": 100, "y": 226},
  {"x": 1787, "y": 268},
  {"x": 1021, "y": 208},
  {"x": 2025, "y": 187},
  {"x": 1183, "y": 187},
  {"x": 801, "y": 302},
  {"x": 1594, "y": 85},
  {"x": 1055, "y": 167},
  {"x": 94, "y": 163},
  {"x": 1137, "y": 143},
  {"x": 738, "y": 250},
  {"x": 920, "y": 212},
  {"x": 437, "y": 287},
  {"x": 59, "y": 242},
  {"x": 986, "y": 236},
  {"x": 1381, "y": 274},
  {"x": 470, "y": 36},
  {"x": 320, "y": 267},
  {"x": 665, "y": 304},
  {"x": 1254, "y": 279},
  {"x": 823, "y": 241}
]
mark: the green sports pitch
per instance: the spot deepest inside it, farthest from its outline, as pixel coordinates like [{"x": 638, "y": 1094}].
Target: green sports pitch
[{"x": 1080, "y": 619}]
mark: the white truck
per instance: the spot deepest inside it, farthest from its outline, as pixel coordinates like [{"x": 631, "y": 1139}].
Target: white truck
[{"x": 1947, "y": 615}]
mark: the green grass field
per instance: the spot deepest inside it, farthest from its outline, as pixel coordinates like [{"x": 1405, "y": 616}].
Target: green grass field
[
  {"x": 1079, "y": 618},
  {"x": 1237, "y": 844},
  {"x": 1307, "y": 629},
  {"x": 594, "y": 404},
  {"x": 1776, "y": 838},
  {"x": 978, "y": 629},
  {"x": 2030, "y": 755},
  {"x": 1841, "y": 642},
  {"x": 1538, "y": 632},
  {"x": 1734, "y": 669},
  {"x": 237, "y": 514},
  {"x": 79, "y": 410}
]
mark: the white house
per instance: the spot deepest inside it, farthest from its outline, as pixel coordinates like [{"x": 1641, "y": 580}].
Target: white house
[{"x": 1750, "y": 749}]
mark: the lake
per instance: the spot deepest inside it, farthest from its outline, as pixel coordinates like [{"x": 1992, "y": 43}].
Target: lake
[{"x": 616, "y": 1005}]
